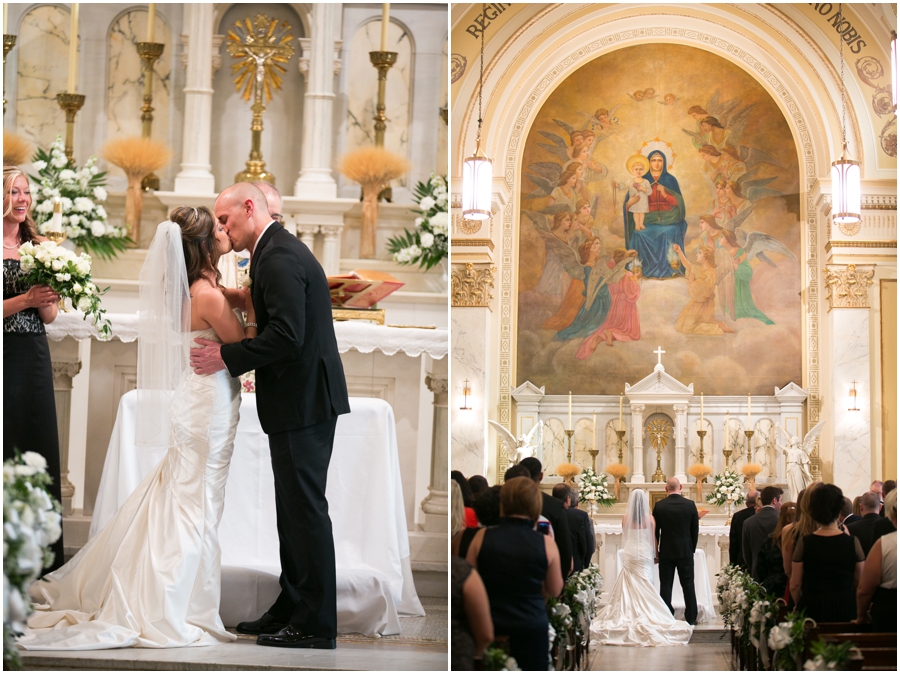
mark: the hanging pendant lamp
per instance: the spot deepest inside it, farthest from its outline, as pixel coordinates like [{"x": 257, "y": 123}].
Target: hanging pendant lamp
[
  {"x": 845, "y": 177},
  {"x": 478, "y": 169}
]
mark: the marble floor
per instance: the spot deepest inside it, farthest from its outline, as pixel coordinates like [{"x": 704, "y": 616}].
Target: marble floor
[{"x": 708, "y": 651}]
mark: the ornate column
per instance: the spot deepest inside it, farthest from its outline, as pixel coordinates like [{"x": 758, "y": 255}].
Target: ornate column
[
  {"x": 680, "y": 435},
  {"x": 320, "y": 65},
  {"x": 436, "y": 504},
  {"x": 724, "y": 555},
  {"x": 63, "y": 371},
  {"x": 331, "y": 249},
  {"x": 307, "y": 234},
  {"x": 637, "y": 444},
  {"x": 196, "y": 175}
]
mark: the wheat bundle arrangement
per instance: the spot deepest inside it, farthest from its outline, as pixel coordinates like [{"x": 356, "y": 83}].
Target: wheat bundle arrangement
[
  {"x": 373, "y": 168},
  {"x": 618, "y": 471},
  {"x": 15, "y": 149},
  {"x": 137, "y": 157},
  {"x": 750, "y": 471},
  {"x": 700, "y": 471},
  {"x": 567, "y": 471}
]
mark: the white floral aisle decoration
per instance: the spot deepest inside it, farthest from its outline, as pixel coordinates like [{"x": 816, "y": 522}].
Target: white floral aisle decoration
[
  {"x": 81, "y": 192},
  {"x": 571, "y": 615},
  {"x": 69, "y": 275},
  {"x": 426, "y": 246},
  {"x": 594, "y": 488},
  {"x": 31, "y": 523}
]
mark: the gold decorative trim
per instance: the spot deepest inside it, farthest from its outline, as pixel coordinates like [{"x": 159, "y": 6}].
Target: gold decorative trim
[
  {"x": 848, "y": 288},
  {"x": 472, "y": 242},
  {"x": 376, "y": 315},
  {"x": 469, "y": 285},
  {"x": 868, "y": 256},
  {"x": 859, "y": 244}
]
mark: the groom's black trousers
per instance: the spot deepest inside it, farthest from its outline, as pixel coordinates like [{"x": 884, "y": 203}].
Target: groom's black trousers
[
  {"x": 685, "y": 567},
  {"x": 308, "y": 587}
]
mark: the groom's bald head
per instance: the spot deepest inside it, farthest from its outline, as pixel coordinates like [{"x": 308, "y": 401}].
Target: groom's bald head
[
  {"x": 673, "y": 486},
  {"x": 243, "y": 212}
]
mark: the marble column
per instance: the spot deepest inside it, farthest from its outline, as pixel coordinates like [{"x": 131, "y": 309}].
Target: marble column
[
  {"x": 637, "y": 445},
  {"x": 196, "y": 175},
  {"x": 65, "y": 367},
  {"x": 436, "y": 504},
  {"x": 316, "y": 180},
  {"x": 724, "y": 554},
  {"x": 680, "y": 434},
  {"x": 331, "y": 248},
  {"x": 307, "y": 234}
]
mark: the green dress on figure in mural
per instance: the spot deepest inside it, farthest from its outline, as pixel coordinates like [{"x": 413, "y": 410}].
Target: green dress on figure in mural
[{"x": 744, "y": 306}]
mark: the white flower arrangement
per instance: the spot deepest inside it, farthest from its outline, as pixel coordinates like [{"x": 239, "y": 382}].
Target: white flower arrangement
[
  {"x": 31, "y": 523},
  {"x": 594, "y": 488},
  {"x": 427, "y": 244},
  {"x": 69, "y": 275},
  {"x": 727, "y": 487},
  {"x": 80, "y": 191}
]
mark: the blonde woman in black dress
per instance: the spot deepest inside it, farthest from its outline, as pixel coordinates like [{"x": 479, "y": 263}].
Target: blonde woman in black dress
[{"x": 29, "y": 411}]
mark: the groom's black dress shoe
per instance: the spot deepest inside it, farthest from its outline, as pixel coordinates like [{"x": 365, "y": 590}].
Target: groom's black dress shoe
[
  {"x": 292, "y": 637},
  {"x": 265, "y": 625}
]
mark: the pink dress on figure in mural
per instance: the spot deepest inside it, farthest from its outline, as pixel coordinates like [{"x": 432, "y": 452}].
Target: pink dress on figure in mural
[{"x": 622, "y": 322}]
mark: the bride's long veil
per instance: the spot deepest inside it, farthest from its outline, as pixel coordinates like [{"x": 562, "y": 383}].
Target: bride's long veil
[
  {"x": 164, "y": 322},
  {"x": 638, "y": 542}
]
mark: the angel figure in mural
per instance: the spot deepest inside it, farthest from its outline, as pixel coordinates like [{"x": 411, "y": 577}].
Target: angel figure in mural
[
  {"x": 668, "y": 99},
  {"x": 523, "y": 446},
  {"x": 718, "y": 124},
  {"x": 579, "y": 234},
  {"x": 797, "y": 456},
  {"x": 638, "y": 96},
  {"x": 622, "y": 323},
  {"x": 603, "y": 121},
  {"x": 699, "y": 315},
  {"x": 560, "y": 264},
  {"x": 664, "y": 223}
]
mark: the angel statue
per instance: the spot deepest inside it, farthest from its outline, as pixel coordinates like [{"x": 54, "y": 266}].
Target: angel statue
[
  {"x": 526, "y": 444},
  {"x": 797, "y": 456}
]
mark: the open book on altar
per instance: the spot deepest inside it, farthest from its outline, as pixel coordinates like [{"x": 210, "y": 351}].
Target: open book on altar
[{"x": 361, "y": 288}]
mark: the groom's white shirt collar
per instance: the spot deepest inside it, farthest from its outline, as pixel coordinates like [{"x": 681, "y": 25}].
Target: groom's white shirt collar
[{"x": 261, "y": 235}]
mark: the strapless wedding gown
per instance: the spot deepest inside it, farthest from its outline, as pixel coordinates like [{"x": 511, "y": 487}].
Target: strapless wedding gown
[
  {"x": 152, "y": 577},
  {"x": 636, "y": 615}
]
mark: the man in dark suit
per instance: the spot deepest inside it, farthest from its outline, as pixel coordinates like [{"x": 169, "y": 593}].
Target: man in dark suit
[
  {"x": 677, "y": 531},
  {"x": 300, "y": 391},
  {"x": 737, "y": 529},
  {"x": 758, "y": 528},
  {"x": 553, "y": 510},
  {"x": 589, "y": 535},
  {"x": 864, "y": 528},
  {"x": 563, "y": 494}
]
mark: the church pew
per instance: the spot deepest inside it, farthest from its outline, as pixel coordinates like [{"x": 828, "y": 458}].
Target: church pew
[
  {"x": 878, "y": 649},
  {"x": 879, "y": 659}
]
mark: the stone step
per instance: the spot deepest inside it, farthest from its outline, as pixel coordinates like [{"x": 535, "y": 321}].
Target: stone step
[{"x": 709, "y": 634}]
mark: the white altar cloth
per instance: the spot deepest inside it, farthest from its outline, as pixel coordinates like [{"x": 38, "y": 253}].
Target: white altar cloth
[
  {"x": 357, "y": 335},
  {"x": 365, "y": 497}
]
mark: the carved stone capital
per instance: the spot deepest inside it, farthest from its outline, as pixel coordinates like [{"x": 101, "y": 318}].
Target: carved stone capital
[
  {"x": 436, "y": 385},
  {"x": 309, "y": 230},
  {"x": 680, "y": 409},
  {"x": 306, "y": 49},
  {"x": 637, "y": 408},
  {"x": 848, "y": 285},
  {"x": 469, "y": 285},
  {"x": 216, "y": 56},
  {"x": 63, "y": 371},
  {"x": 724, "y": 544},
  {"x": 331, "y": 231}
]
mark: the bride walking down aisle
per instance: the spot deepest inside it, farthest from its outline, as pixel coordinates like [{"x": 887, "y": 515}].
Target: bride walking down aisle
[{"x": 636, "y": 614}]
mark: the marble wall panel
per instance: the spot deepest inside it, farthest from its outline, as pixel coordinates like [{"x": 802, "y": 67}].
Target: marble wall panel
[
  {"x": 362, "y": 90},
  {"x": 125, "y": 83},
  {"x": 469, "y": 451},
  {"x": 42, "y": 70},
  {"x": 441, "y": 165}
]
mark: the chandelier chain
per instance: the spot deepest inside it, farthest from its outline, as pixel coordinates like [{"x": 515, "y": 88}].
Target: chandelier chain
[
  {"x": 481, "y": 74},
  {"x": 843, "y": 88}
]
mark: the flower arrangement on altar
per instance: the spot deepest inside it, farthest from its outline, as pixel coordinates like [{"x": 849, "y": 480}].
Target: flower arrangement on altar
[
  {"x": 69, "y": 275},
  {"x": 594, "y": 488},
  {"x": 31, "y": 523},
  {"x": 727, "y": 489},
  {"x": 571, "y": 614},
  {"x": 80, "y": 192},
  {"x": 426, "y": 245}
]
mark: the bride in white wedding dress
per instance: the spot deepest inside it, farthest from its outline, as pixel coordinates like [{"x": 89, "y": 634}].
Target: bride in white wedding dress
[
  {"x": 151, "y": 577},
  {"x": 636, "y": 614}
]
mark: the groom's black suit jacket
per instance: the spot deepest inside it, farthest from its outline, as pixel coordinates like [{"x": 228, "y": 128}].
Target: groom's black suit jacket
[
  {"x": 299, "y": 375},
  {"x": 677, "y": 527}
]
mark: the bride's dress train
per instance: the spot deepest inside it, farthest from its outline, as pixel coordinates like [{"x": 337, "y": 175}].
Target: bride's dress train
[{"x": 151, "y": 578}]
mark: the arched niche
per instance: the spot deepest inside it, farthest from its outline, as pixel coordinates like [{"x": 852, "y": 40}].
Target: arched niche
[{"x": 282, "y": 120}]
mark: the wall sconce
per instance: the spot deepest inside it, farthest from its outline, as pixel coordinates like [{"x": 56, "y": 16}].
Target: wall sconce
[
  {"x": 467, "y": 391},
  {"x": 853, "y": 407}
]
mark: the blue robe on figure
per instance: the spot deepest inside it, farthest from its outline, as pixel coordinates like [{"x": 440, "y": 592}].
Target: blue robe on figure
[{"x": 592, "y": 314}]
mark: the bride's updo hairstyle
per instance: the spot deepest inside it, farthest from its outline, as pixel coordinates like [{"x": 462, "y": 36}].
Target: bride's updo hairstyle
[
  {"x": 198, "y": 240},
  {"x": 520, "y": 497}
]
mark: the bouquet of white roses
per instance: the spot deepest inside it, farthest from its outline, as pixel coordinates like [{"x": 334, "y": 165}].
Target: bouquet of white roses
[
  {"x": 80, "y": 192},
  {"x": 727, "y": 488},
  {"x": 31, "y": 523},
  {"x": 594, "y": 487},
  {"x": 69, "y": 275},
  {"x": 426, "y": 245}
]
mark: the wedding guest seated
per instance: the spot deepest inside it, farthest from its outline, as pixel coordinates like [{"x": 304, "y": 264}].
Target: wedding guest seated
[
  {"x": 460, "y": 479},
  {"x": 477, "y": 484},
  {"x": 563, "y": 494},
  {"x": 553, "y": 511},
  {"x": 864, "y": 529},
  {"x": 827, "y": 563},
  {"x": 758, "y": 527},
  {"x": 471, "y": 628},
  {"x": 589, "y": 535},
  {"x": 877, "y": 594},
  {"x": 737, "y": 529},
  {"x": 519, "y": 566},
  {"x": 768, "y": 565}
]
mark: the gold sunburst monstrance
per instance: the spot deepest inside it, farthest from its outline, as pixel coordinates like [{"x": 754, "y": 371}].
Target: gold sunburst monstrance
[
  {"x": 659, "y": 440},
  {"x": 262, "y": 46}
]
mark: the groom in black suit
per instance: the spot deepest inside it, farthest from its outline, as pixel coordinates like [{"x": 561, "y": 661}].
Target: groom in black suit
[
  {"x": 300, "y": 391},
  {"x": 677, "y": 530}
]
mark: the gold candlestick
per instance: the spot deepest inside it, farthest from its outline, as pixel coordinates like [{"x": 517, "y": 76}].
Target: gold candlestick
[
  {"x": 149, "y": 53},
  {"x": 71, "y": 103},
  {"x": 621, "y": 438},
  {"x": 749, "y": 435},
  {"x": 569, "y": 435},
  {"x": 9, "y": 41},
  {"x": 702, "y": 435},
  {"x": 594, "y": 452},
  {"x": 383, "y": 61}
]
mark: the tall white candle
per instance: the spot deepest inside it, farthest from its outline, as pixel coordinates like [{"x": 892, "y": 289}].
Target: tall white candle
[
  {"x": 748, "y": 412},
  {"x": 385, "y": 21},
  {"x": 570, "y": 410},
  {"x": 73, "y": 49},
  {"x": 620, "y": 411},
  {"x": 56, "y": 220},
  {"x": 701, "y": 411},
  {"x": 594, "y": 430},
  {"x": 5, "y": 17},
  {"x": 151, "y": 22}
]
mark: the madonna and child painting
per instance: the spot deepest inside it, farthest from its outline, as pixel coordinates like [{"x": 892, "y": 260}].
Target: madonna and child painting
[{"x": 659, "y": 205}]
